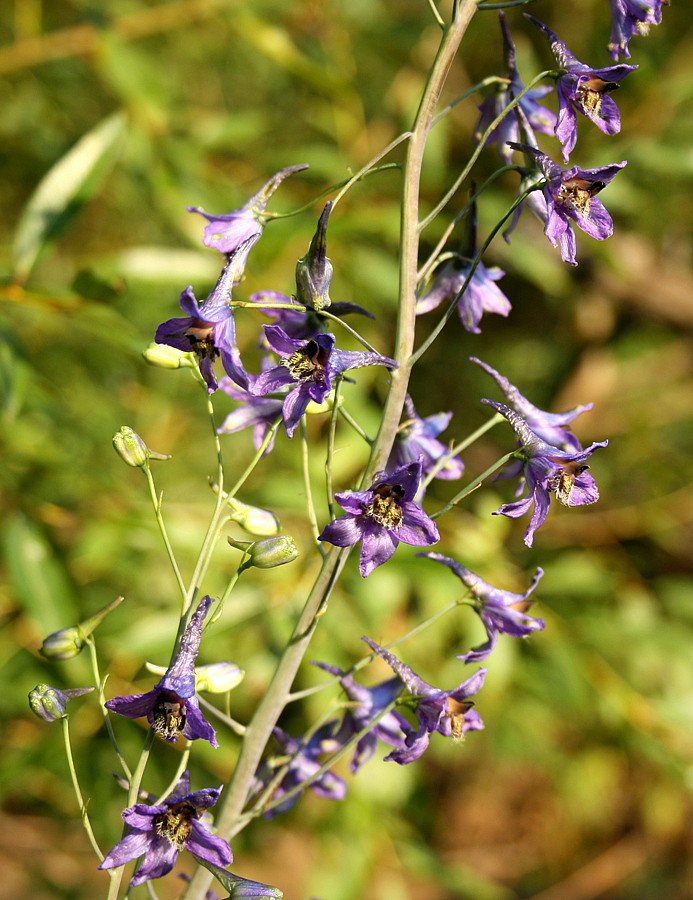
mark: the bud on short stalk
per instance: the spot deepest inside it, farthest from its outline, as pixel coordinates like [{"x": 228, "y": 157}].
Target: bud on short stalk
[
  {"x": 275, "y": 551},
  {"x": 132, "y": 449},
  {"x": 49, "y": 703},
  {"x": 68, "y": 642}
]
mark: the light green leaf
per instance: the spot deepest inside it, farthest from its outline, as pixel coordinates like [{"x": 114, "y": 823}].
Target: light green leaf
[{"x": 62, "y": 191}]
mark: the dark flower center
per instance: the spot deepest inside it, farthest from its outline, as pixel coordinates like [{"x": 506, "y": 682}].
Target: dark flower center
[
  {"x": 385, "y": 508},
  {"x": 456, "y": 712},
  {"x": 576, "y": 193},
  {"x": 174, "y": 824},
  {"x": 200, "y": 337},
  {"x": 308, "y": 363},
  {"x": 563, "y": 481},
  {"x": 168, "y": 715},
  {"x": 589, "y": 93}
]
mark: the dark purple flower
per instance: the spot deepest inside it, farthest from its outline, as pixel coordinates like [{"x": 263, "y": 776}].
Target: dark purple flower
[
  {"x": 546, "y": 470},
  {"x": 302, "y": 764},
  {"x": 300, "y": 322},
  {"x": 551, "y": 427},
  {"x": 449, "y": 713},
  {"x": 629, "y": 18},
  {"x": 260, "y": 412},
  {"x": 171, "y": 707},
  {"x": 583, "y": 89},
  {"x": 479, "y": 296},
  {"x": 495, "y": 608},
  {"x": 570, "y": 196},
  {"x": 382, "y": 517},
  {"x": 161, "y": 832},
  {"x": 366, "y": 705},
  {"x": 532, "y": 116},
  {"x": 416, "y": 439},
  {"x": 309, "y": 368},
  {"x": 240, "y": 229},
  {"x": 208, "y": 330}
]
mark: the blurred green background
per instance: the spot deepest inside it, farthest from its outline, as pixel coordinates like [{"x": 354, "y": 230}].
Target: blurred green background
[{"x": 580, "y": 786}]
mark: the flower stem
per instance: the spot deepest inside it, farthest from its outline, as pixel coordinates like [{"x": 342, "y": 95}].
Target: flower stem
[
  {"x": 156, "y": 503},
  {"x": 102, "y": 699},
  {"x": 473, "y": 486},
  {"x": 75, "y": 784}
]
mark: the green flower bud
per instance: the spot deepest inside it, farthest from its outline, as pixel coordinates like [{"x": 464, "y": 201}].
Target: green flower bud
[
  {"x": 132, "y": 449},
  {"x": 214, "y": 678},
  {"x": 49, "y": 703},
  {"x": 274, "y": 551},
  {"x": 314, "y": 270},
  {"x": 256, "y": 521},
  {"x": 164, "y": 357},
  {"x": 68, "y": 642}
]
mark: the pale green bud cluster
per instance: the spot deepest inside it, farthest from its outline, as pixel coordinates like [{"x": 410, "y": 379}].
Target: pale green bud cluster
[
  {"x": 49, "y": 703},
  {"x": 267, "y": 554},
  {"x": 132, "y": 449},
  {"x": 68, "y": 642}
]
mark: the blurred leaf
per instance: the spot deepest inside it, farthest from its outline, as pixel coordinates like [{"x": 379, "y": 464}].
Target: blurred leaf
[
  {"x": 62, "y": 191},
  {"x": 37, "y": 577}
]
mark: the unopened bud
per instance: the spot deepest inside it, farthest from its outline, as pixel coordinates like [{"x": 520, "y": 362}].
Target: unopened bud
[
  {"x": 256, "y": 521},
  {"x": 49, "y": 703},
  {"x": 274, "y": 551},
  {"x": 164, "y": 356},
  {"x": 68, "y": 642},
  {"x": 214, "y": 678},
  {"x": 314, "y": 270},
  {"x": 132, "y": 449}
]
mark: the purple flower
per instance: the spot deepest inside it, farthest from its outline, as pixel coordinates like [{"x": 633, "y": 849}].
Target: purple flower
[
  {"x": 366, "y": 705},
  {"x": 300, "y": 322},
  {"x": 631, "y": 17},
  {"x": 301, "y": 767},
  {"x": 583, "y": 89},
  {"x": 449, "y": 713},
  {"x": 494, "y": 606},
  {"x": 382, "y": 517},
  {"x": 260, "y": 412},
  {"x": 208, "y": 330},
  {"x": 551, "y": 427},
  {"x": 546, "y": 470},
  {"x": 233, "y": 231},
  {"x": 416, "y": 439},
  {"x": 309, "y": 368},
  {"x": 570, "y": 196},
  {"x": 161, "y": 832},
  {"x": 171, "y": 707},
  {"x": 479, "y": 296},
  {"x": 532, "y": 116}
]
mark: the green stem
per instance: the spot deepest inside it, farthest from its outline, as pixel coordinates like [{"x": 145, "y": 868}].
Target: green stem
[
  {"x": 458, "y": 448},
  {"x": 330, "y": 449},
  {"x": 473, "y": 485},
  {"x": 349, "y": 419},
  {"x": 102, "y": 699},
  {"x": 78, "y": 793},
  {"x": 156, "y": 503},
  {"x": 305, "y": 464}
]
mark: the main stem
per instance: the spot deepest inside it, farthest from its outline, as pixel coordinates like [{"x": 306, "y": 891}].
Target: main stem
[{"x": 257, "y": 734}]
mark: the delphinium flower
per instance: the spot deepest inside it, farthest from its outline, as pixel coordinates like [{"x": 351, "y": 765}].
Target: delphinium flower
[
  {"x": 546, "y": 470},
  {"x": 259, "y": 412},
  {"x": 629, "y": 18},
  {"x": 161, "y": 831},
  {"x": 416, "y": 438},
  {"x": 582, "y": 88},
  {"x": 533, "y": 115},
  {"x": 494, "y": 606},
  {"x": 366, "y": 705},
  {"x": 479, "y": 295},
  {"x": 297, "y": 321},
  {"x": 209, "y": 330},
  {"x": 171, "y": 707},
  {"x": 449, "y": 713},
  {"x": 308, "y": 368},
  {"x": 551, "y": 427},
  {"x": 238, "y": 230},
  {"x": 570, "y": 196},
  {"x": 382, "y": 517},
  {"x": 301, "y": 760}
]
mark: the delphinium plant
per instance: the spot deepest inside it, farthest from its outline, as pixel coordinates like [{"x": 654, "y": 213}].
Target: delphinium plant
[{"x": 307, "y": 362}]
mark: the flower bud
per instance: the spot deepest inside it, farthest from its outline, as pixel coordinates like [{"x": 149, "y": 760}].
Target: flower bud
[
  {"x": 132, "y": 449},
  {"x": 314, "y": 270},
  {"x": 260, "y": 522},
  {"x": 275, "y": 551},
  {"x": 68, "y": 642},
  {"x": 214, "y": 678},
  {"x": 164, "y": 356},
  {"x": 48, "y": 703}
]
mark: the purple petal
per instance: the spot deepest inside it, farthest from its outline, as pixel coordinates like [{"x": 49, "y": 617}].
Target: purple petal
[
  {"x": 343, "y": 532},
  {"x": 196, "y": 726},
  {"x": 417, "y": 529},
  {"x": 158, "y": 861},
  {"x": 132, "y": 846},
  {"x": 206, "y": 846},
  {"x": 133, "y": 706},
  {"x": 377, "y": 546}
]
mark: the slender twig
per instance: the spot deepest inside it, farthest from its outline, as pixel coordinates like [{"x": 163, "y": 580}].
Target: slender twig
[
  {"x": 458, "y": 448},
  {"x": 473, "y": 485},
  {"x": 305, "y": 460},
  {"x": 102, "y": 699},
  {"x": 78, "y": 792},
  {"x": 156, "y": 503}
]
